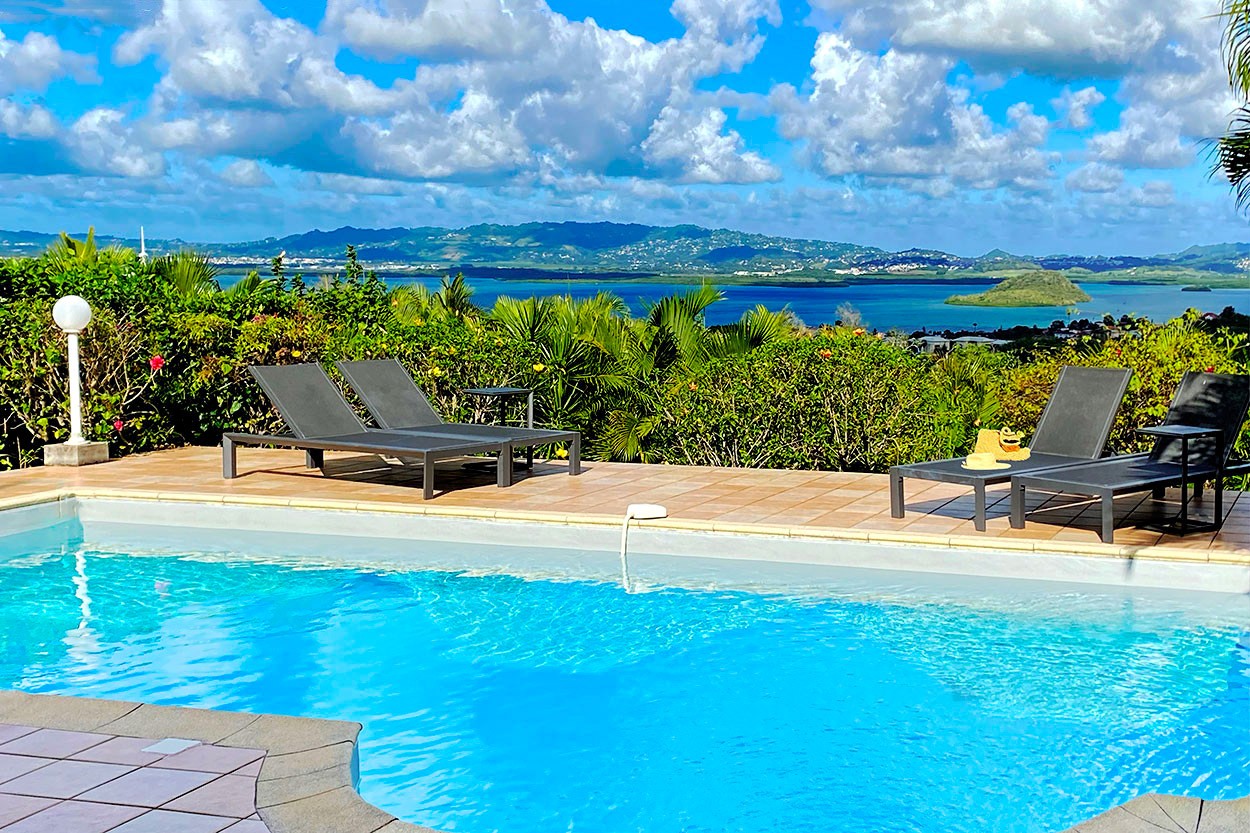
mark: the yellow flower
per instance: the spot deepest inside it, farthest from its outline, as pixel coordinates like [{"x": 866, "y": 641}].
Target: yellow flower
[
  {"x": 451, "y": 351},
  {"x": 436, "y": 371},
  {"x": 540, "y": 367},
  {"x": 295, "y": 354},
  {"x": 562, "y": 453}
]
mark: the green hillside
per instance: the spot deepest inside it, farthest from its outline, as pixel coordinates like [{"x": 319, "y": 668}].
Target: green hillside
[{"x": 1032, "y": 289}]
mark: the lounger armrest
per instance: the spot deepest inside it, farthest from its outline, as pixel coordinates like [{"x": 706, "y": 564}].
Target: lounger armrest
[
  {"x": 1179, "y": 432},
  {"x": 1235, "y": 467}
]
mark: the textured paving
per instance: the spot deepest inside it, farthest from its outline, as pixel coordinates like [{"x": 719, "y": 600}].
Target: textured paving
[
  {"x": 78, "y": 765},
  {"x": 749, "y": 497},
  {"x": 57, "y": 781},
  {"x": 1171, "y": 814}
]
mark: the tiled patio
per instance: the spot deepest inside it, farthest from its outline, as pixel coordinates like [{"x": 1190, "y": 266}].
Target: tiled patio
[
  {"x": 757, "y": 498},
  {"x": 81, "y": 765},
  {"x": 57, "y": 781}
]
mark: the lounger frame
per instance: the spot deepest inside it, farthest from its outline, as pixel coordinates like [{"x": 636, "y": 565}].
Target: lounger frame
[
  {"x": 1201, "y": 401},
  {"x": 321, "y": 420},
  {"x": 369, "y": 442},
  {"x": 397, "y": 403},
  {"x": 1053, "y": 447}
]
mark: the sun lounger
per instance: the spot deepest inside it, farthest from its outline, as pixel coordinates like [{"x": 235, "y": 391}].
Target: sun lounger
[
  {"x": 1193, "y": 445},
  {"x": 320, "y": 420},
  {"x": 398, "y": 404},
  {"x": 1073, "y": 429}
]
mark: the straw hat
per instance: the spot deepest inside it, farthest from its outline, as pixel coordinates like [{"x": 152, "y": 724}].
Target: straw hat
[{"x": 983, "y": 461}]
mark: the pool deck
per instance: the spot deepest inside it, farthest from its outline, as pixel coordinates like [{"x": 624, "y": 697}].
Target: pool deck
[
  {"x": 1154, "y": 813},
  {"x": 96, "y": 771},
  {"x": 79, "y": 765},
  {"x": 833, "y": 505}
]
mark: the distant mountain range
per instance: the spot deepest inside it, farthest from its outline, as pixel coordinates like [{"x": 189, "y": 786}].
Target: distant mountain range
[{"x": 669, "y": 250}]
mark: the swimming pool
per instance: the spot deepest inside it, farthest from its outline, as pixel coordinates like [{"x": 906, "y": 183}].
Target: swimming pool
[{"x": 502, "y": 702}]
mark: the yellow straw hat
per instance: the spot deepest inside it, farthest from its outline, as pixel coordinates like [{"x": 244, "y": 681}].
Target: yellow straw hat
[{"x": 983, "y": 461}]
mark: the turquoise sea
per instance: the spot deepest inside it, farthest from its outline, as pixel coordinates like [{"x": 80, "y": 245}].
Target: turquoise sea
[{"x": 884, "y": 305}]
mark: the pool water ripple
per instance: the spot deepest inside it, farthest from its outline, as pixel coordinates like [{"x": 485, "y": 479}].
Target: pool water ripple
[{"x": 498, "y": 703}]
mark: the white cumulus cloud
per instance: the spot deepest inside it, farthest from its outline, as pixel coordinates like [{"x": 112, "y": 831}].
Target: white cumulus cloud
[
  {"x": 695, "y": 145},
  {"x": 35, "y": 61},
  {"x": 246, "y": 173},
  {"x": 893, "y": 115}
]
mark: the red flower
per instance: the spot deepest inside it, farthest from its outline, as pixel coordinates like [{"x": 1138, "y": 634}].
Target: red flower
[
  {"x": 156, "y": 362},
  {"x": 826, "y": 354},
  {"x": 118, "y": 425},
  {"x": 1208, "y": 370}
]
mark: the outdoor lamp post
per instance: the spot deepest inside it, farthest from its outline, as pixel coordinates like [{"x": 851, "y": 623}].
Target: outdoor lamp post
[{"x": 72, "y": 314}]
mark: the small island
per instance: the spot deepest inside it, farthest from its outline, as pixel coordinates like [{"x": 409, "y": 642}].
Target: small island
[{"x": 1042, "y": 288}]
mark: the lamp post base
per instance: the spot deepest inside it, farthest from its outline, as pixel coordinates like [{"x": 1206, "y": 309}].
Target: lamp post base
[{"x": 75, "y": 454}]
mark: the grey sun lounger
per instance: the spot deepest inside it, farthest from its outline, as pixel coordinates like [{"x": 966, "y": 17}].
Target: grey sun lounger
[
  {"x": 321, "y": 420},
  {"x": 1203, "y": 401},
  {"x": 396, "y": 403},
  {"x": 1073, "y": 430}
]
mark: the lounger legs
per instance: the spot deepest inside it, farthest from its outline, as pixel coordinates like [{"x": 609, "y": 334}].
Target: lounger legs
[
  {"x": 1108, "y": 519},
  {"x": 897, "y": 507},
  {"x": 427, "y": 477},
  {"x": 978, "y": 515},
  {"x": 229, "y": 459},
  {"x": 575, "y": 456},
  {"x": 314, "y": 458},
  {"x": 1017, "y": 505},
  {"x": 503, "y": 470}
]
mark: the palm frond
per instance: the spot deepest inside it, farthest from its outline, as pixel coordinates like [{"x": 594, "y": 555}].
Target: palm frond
[
  {"x": 252, "y": 285},
  {"x": 1236, "y": 45},
  {"x": 188, "y": 272},
  {"x": 1232, "y": 156},
  {"x": 412, "y": 305}
]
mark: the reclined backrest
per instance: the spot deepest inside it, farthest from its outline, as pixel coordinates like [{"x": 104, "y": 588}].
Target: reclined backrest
[
  {"x": 308, "y": 400},
  {"x": 1078, "y": 417},
  {"x": 389, "y": 393},
  {"x": 1206, "y": 400}
]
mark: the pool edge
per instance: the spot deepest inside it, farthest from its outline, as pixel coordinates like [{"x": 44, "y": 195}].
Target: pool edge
[
  {"x": 1162, "y": 553},
  {"x": 307, "y": 781}
]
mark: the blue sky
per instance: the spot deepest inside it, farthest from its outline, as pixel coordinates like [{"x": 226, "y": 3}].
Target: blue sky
[{"x": 1036, "y": 125}]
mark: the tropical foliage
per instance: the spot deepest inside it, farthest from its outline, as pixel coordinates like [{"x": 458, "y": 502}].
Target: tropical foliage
[
  {"x": 166, "y": 357},
  {"x": 1231, "y": 152}
]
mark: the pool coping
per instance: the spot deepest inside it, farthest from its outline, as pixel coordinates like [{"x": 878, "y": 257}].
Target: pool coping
[
  {"x": 1160, "y": 553},
  {"x": 307, "y": 778},
  {"x": 1155, "y": 811}
]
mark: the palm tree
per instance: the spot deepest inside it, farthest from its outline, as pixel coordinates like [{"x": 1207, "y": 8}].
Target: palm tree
[
  {"x": 188, "y": 272},
  {"x": 1232, "y": 150},
  {"x": 454, "y": 299}
]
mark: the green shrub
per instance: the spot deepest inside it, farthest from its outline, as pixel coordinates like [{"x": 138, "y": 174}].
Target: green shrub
[
  {"x": 832, "y": 401},
  {"x": 1158, "y": 355},
  {"x": 664, "y": 387}
]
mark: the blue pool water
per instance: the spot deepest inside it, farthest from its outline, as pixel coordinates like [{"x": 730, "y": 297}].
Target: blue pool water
[{"x": 497, "y": 703}]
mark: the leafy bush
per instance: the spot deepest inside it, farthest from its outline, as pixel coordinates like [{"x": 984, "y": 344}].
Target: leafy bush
[
  {"x": 1158, "y": 355},
  {"x": 165, "y": 362}
]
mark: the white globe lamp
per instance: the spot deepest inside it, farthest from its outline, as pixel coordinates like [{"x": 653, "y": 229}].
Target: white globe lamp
[{"x": 72, "y": 314}]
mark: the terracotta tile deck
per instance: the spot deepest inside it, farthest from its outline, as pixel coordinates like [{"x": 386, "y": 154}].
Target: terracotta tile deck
[
  {"x": 800, "y": 499},
  {"x": 56, "y": 781}
]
